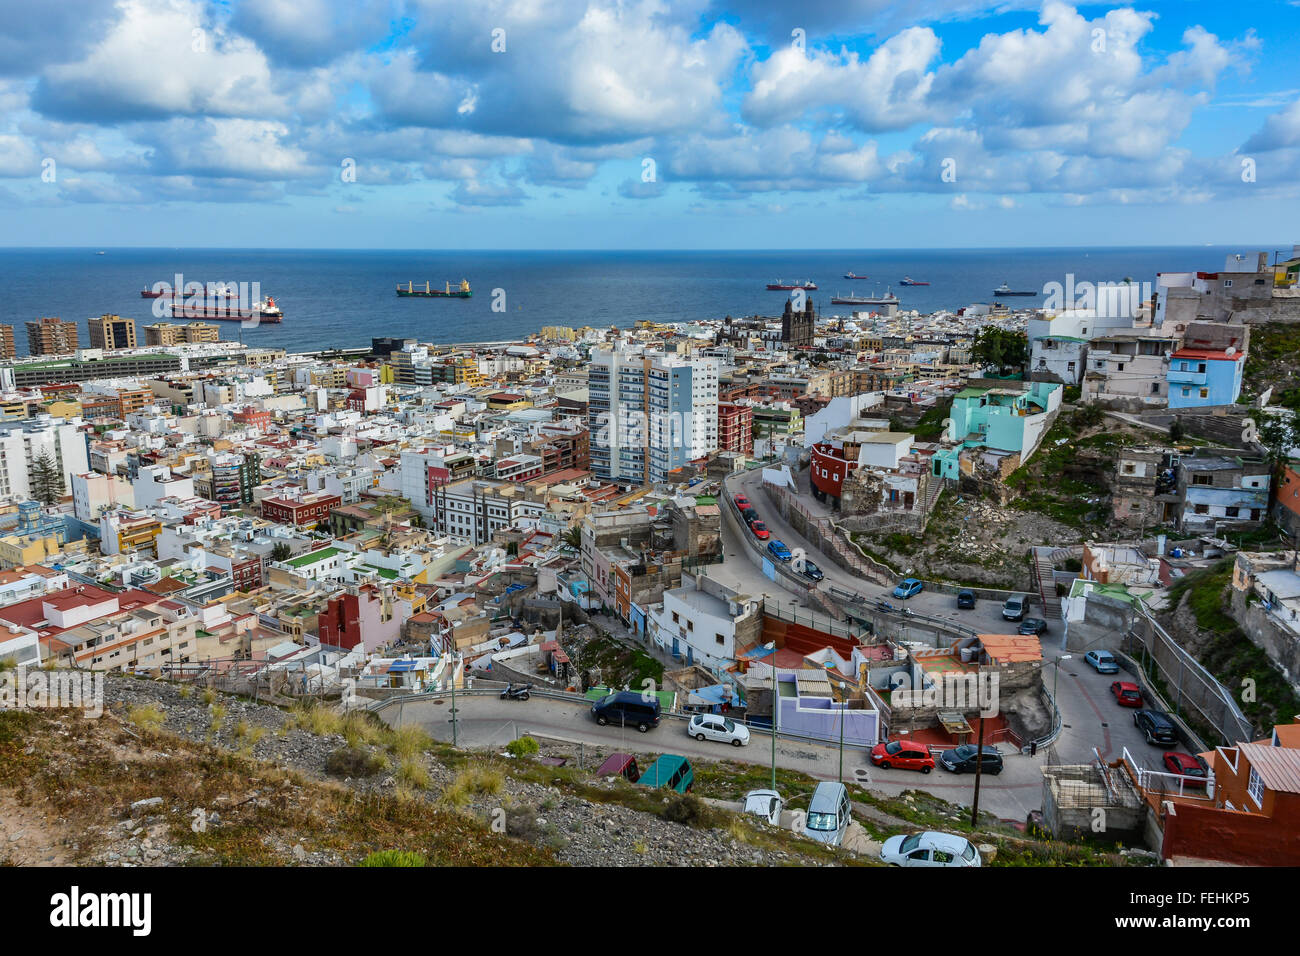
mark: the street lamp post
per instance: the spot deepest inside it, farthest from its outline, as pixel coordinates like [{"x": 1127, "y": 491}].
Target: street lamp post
[
  {"x": 843, "y": 705},
  {"x": 1056, "y": 674},
  {"x": 454, "y": 741},
  {"x": 776, "y": 710}
]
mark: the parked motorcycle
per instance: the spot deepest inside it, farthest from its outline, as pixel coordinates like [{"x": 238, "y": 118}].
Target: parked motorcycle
[{"x": 516, "y": 691}]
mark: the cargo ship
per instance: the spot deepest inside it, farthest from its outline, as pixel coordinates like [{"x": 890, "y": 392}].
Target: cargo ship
[
  {"x": 1005, "y": 289},
  {"x": 462, "y": 292},
  {"x": 854, "y": 275},
  {"x": 195, "y": 308},
  {"x": 887, "y": 299},
  {"x": 780, "y": 286},
  {"x": 908, "y": 280},
  {"x": 207, "y": 293}
]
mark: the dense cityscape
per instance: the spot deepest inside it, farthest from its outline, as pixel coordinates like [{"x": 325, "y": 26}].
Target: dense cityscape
[
  {"x": 715, "y": 437},
  {"x": 905, "y": 541}
]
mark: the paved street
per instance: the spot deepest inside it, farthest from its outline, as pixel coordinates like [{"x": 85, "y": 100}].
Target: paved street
[
  {"x": 1090, "y": 714},
  {"x": 985, "y": 617},
  {"x": 1091, "y": 717},
  {"x": 489, "y": 723}
]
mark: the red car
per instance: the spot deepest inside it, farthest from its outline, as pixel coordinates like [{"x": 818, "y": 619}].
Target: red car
[
  {"x": 741, "y": 501},
  {"x": 760, "y": 530},
  {"x": 1186, "y": 765},
  {"x": 1126, "y": 694},
  {"x": 903, "y": 753}
]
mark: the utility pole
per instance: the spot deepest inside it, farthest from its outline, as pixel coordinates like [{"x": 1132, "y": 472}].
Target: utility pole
[{"x": 979, "y": 767}]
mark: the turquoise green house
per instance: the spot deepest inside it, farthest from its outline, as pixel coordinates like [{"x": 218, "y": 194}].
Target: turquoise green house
[{"x": 1010, "y": 418}]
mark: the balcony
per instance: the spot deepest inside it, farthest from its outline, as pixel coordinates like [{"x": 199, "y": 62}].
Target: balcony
[{"x": 1177, "y": 376}]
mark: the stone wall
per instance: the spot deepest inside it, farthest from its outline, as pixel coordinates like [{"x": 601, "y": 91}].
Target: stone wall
[{"x": 1269, "y": 635}]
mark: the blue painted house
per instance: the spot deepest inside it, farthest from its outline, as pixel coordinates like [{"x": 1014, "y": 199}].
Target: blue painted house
[{"x": 1200, "y": 377}]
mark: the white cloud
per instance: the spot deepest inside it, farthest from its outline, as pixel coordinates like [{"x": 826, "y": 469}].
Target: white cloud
[{"x": 152, "y": 63}]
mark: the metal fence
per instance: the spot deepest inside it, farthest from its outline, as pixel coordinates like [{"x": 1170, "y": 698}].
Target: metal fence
[{"x": 1190, "y": 686}]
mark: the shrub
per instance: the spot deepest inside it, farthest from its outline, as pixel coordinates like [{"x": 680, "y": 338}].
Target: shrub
[
  {"x": 393, "y": 858},
  {"x": 688, "y": 810},
  {"x": 351, "y": 762},
  {"x": 522, "y": 824},
  {"x": 523, "y": 747}
]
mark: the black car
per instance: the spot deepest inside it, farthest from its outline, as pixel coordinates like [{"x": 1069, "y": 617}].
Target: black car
[
  {"x": 1156, "y": 727},
  {"x": 1032, "y": 625},
  {"x": 965, "y": 600},
  {"x": 627, "y": 708},
  {"x": 964, "y": 758},
  {"x": 811, "y": 570},
  {"x": 749, "y": 514}
]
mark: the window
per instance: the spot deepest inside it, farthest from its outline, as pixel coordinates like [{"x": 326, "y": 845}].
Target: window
[
  {"x": 1202, "y": 509},
  {"x": 1202, "y": 479},
  {"x": 1256, "y": 788},
  {"x": 721, "y": 639},
  {"x": 1232, "y": 512},
  {"x": 1205, "y": 393},
  {"x": 690, "y": 625},
  {"x": 1227, "y": 283}
]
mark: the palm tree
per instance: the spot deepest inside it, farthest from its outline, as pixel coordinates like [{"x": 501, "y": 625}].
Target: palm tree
[{"x": 573, "y": 538}]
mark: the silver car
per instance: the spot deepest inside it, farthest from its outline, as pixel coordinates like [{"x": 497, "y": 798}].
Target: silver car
[
  {"x": 931, "y": 848},
  {"x": 829, "y": 814}
]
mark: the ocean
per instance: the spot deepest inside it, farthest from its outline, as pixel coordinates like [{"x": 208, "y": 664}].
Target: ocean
[{"x": 341, "y": 298}]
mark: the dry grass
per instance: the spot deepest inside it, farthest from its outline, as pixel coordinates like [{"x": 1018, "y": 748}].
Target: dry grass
[
  {"x": 146, "y": 716},
  {"x": 473, "y": 782},
  {"x": 93, "y": 769},
  {"x": 411, "y": 773},
  {"x": 408, "y": 742}
]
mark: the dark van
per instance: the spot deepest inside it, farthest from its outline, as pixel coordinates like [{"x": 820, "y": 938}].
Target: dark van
[{"x": 627, "y": 708}]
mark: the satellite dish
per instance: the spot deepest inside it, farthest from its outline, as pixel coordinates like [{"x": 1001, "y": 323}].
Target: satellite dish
[{"x": 1230, "y": 350}]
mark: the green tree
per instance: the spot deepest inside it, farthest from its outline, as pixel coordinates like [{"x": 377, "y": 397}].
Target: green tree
[
  {"x": 573, "y": 538},
  {"x": 1277, "y": 433},
  {"x": 1001, "y": 349},
  {"x": 281, "y": 552},
  {"x": 46, "y": 480}
]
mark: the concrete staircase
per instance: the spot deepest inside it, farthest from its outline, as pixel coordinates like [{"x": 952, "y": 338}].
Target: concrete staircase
[{"x": 1043, "y": 566}]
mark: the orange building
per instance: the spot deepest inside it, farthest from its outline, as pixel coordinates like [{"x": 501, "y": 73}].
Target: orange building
[{"x": 1253, "y": 815}]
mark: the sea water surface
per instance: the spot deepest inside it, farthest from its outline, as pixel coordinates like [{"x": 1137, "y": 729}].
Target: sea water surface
[{"x": 343, "y": 298}]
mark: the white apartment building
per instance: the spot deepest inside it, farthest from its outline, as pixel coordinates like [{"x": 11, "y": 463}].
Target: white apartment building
[
  {"x": 93, "y": 494},
  {"x": 649, "y": 413},
  {"x": 22, "y": 442}
]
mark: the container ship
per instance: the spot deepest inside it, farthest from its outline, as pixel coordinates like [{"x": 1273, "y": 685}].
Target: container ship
[
  {"x": 264, "y": 311},
  {"x": 462, "y": 292},
  {"x": 1005, "y": 289},
  {"x": 908, "y": 280},
  {"x": 779, "y": 286}
]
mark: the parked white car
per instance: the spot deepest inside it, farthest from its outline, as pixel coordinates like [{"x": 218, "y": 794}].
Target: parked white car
[
  {"x": 766, "y": 804},
  {"x": 716, "y": 727},
  {"x": 931, "y": 848}
]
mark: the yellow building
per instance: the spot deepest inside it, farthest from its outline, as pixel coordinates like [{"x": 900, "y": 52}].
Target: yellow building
[
  {"x": 18, "y": 550},
  {"x": 138, "y": 533}
]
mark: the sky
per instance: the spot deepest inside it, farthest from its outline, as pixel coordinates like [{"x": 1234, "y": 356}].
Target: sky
[{"x": 600, "y": 124}]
